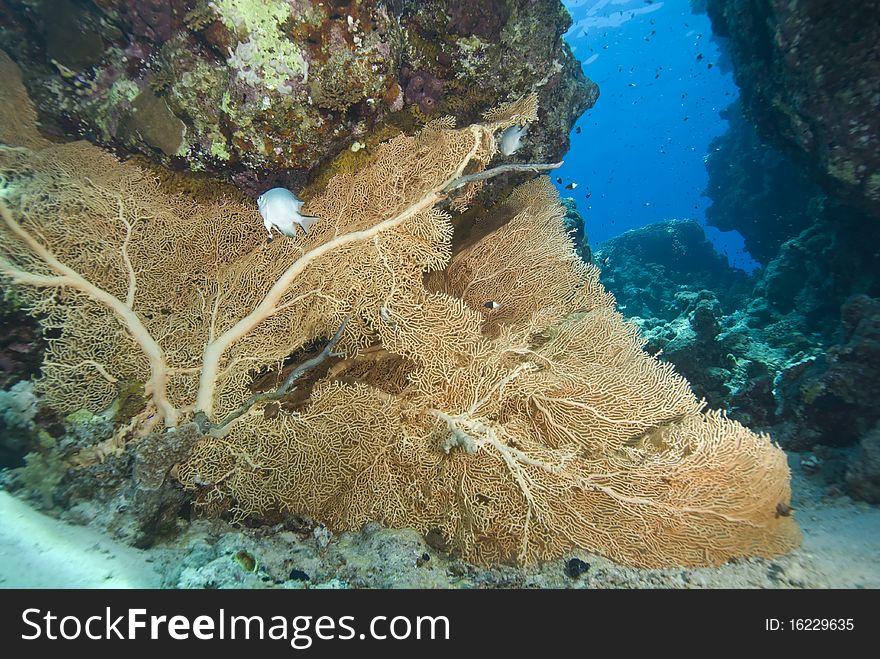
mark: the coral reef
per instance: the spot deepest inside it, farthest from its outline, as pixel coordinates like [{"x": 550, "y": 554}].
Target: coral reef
[
  {"x": 149, "y": 19},
  {"x": 271, "y": 92},
  {"x": 657, "y": 270},
  {"x": 513, "y": 433},
  {"x": 21, "y": 345},
  {"x": 577, "y": 229},
  {"x": 483, "y": 19},
  {"x": 808, "y": 83},
  {"x": 809, "y": 87},
  {"x": 18, "y": 427},
  {"x": 816, "y": 271},
  {"x": 770, "y": 348},
  {"x": 833, "y": 398},
  {"x": 489, "y": 52},
  {"x": 684, "y": 297},
  {"x": 422, "y": 89}
]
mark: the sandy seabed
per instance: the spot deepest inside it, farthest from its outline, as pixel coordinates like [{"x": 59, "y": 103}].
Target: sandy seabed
[{"x": 840, "y": 550}]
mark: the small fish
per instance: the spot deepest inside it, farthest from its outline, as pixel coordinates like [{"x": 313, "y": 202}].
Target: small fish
[
  {"x": 605, "y": 260},
  {"x": 588, "y": 195},
  {"x": 385, "y": 315},
  {"x": 492, "y": 305},
  {"x": 577, "y": 129},
  {"x": 783, "y": 509},
  {"x": 571, "y": 186},
  {"x": 510, "y": 139},
  {"x": 559, "y": 180},
  {"x": 280, "y": 209}
]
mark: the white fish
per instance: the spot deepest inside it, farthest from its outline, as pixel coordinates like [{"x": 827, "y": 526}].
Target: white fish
[
  {"x": 280, "y": 209},
  {"x": 510, "y": 139}
]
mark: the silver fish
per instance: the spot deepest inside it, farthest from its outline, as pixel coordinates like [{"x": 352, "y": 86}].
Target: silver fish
[
  {"x": 511, "y": 138},
  {"x": 280, "y": 209}
]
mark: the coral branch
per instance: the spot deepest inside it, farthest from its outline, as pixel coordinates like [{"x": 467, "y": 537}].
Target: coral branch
[
  {"x": 214, "y": 350},
  {"x": 462, "y": 181},
  {"x": 132, "y": 280},
  {"x": 206, "y": 426},
  {"x": 67, "y": 277}
]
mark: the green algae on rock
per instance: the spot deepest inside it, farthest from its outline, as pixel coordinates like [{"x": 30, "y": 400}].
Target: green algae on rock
[{"x": 272, "y": 91}]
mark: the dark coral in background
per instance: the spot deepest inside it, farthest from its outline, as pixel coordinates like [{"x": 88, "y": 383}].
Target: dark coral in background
[{"x": 809, "y": 74}]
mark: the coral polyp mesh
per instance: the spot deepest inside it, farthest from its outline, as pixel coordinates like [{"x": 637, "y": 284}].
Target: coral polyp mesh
[{"x": 518, "y": 432}]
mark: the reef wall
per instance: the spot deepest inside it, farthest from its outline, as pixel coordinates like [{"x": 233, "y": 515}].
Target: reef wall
[
  {"x": 755, "y": 189},
  {"x": 288, "y": 91},
  {"x": 810, "y": 84}
]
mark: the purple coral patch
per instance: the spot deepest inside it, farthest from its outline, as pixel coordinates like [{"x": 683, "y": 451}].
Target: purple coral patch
[
  {"x": 422, "y": 89},
  {"x": 149, "y": 19}
]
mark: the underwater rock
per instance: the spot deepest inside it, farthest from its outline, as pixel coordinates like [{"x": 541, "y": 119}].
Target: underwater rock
[
  {"x": 802, "y": 279},
  {"x": 776, "y": 357},
  {"x": 834, "y": 399},
  {"x": 73, "y": 42},
  {"x": 815, "y": 272},
  {"x": 375, "y": 557},
  {"x": 863, "y": 471},
  {"x": 482, "y": 19},
  {"x": 105, "y": 496},
  {"x": 646, "y": 268},
  {"x": 575, "y": 567},
  {"x": 87, "y": 478},
  {"x": 21, "y": 345},
  {"x": 577, "y": 228},
  {"x": 46, "y": 473},
  {"x": 274, "y": 93},
  {"x": 150, "y": 19},
  {"x": 18, "y": 427},
  {"x": 156, "y": 503},
  {"x": 158, "y": 452},
  {"x": 152, "y": 121},
  {"x": 810, "y": 85}
]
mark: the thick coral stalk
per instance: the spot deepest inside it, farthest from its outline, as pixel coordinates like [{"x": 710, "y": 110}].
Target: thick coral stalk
[
  {"x": 215, "y": 349},
  {"x": 156, "y": 387}
]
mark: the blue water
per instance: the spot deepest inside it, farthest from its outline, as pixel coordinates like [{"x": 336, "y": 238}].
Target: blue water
[{"x": 639, "y": 154}]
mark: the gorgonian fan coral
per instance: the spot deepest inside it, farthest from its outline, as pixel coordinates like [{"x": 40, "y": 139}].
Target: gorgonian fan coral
[{"x": 518, "y": 430}]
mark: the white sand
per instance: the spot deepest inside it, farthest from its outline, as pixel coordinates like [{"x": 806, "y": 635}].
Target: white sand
[
  {"x": 843, "y": 543},
  {"x": 37, "y": 551},
  {"x": 840, "y": 550}
]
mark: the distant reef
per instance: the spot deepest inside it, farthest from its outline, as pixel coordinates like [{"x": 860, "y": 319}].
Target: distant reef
[
  {"x": 798, "y": 175},
  {"x": 288, "y": 91},
  {"x": 793, "y": 350},
  {"x": 755, "y": 189}
]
